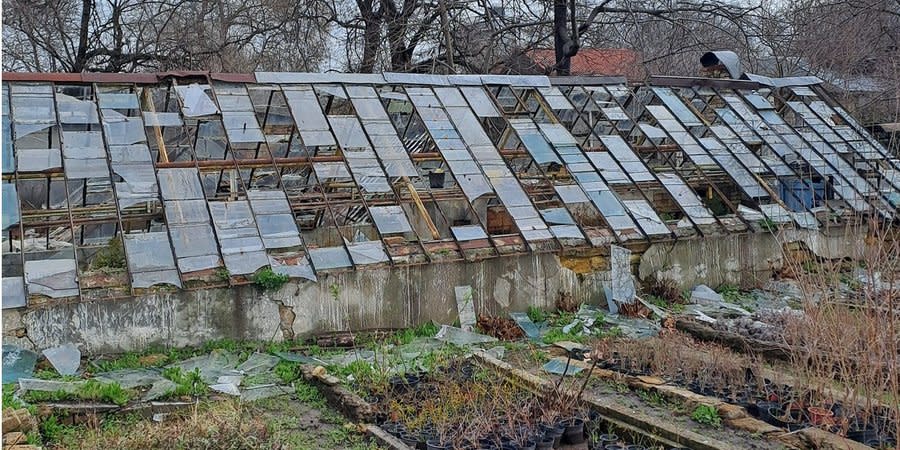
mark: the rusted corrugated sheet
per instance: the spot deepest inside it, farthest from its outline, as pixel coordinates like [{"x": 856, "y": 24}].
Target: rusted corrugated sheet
[
  {"x": 85, "y": 77},
  {"x": 138, "y": 78}
]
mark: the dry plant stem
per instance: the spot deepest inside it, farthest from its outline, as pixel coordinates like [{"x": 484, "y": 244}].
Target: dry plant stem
[{"x": 850, "y": 335}]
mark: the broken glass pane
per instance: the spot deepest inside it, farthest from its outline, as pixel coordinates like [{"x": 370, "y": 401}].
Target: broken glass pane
[
  {"x": 468, "y": 232},
  {"x": 390, "y": 219},
  {"x": 180, "y": 183},
  {"x": 368, "y": 252},
  {"x": 75, "y": 111},
  {"x": 162, "y": 119},
  {"x": 331, "y": 170},
  {"x": 329, "y": 258},
  {"x": 481, "y": 103},
  {"x": 17, "y": 363},
  {"x": 294, "y": 267},
  {"x": 117, "y": 101},
  {"x": 646, "y": 217},
  {"x": 151, "y": 252},
  {"x": 195, "y": 102},
  {"x": 124, "y": 132},
  {"x": 242, "y": 127},
  {"x": 10, "y": 206},
  {"x": 13, "y": 292},
  {"x": 52, "y": 277},
  {"x": 571, "y": 194},
  {"x": 554, "y": 98}
]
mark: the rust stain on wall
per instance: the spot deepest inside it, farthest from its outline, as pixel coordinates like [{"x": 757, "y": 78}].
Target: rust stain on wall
[{"x": 585, "y": 264}]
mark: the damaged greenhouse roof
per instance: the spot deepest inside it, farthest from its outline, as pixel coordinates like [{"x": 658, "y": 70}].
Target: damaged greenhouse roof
[{"x": 114, "y": 183}]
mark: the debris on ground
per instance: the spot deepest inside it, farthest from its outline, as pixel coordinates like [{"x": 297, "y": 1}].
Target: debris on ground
[
  {"x": 16, "y": 423},
  {"x": 17, "y": 363},
  {"x": 64, "y": 358},
  {"x": 465, "y": 306},
  {"x": 458, "y": 336},
  {"x": 560, "y": 366},
  {"x": 500, "y": 328},
  {"x": 528, "y": 327}
]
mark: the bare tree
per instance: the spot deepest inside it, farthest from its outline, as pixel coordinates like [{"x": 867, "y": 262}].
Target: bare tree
[{"x": 133, "y": 35}]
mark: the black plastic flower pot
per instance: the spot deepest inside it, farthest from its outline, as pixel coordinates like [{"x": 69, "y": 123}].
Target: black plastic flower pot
[
  {"x": 574, "y": 433},
  {"x": 544, "y": 444},
  {"x": 528, "y": 445},
  {"x": 435, "y": 444},
  {"x": 558, "y": 430},
  {"x": 635, "y": 447},
  {"x": 409, "y": 439},
  {"x": 614, "y": 447},
  {"x": 436, "y": 179},
  {"x": 608, "y": 439}
]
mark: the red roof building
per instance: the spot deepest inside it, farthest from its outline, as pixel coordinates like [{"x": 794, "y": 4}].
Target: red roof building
[{"x": 595, "y": 61}]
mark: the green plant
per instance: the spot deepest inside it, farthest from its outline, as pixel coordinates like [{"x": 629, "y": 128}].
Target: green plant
[
  {"x": 707, "y": 415},
  {"x": 103, "y": 392},
  {"x": 537, "y": 315},
  {"x": 187, "y": 383},
  {"x": 110, "y": 257},
  {"x": 407, "y": 335},
  {"x": 222, "y": 274},
  {"x": 335, "y": 291},
  {"x": 269, "y": 280},
  {"x": 52, "y": 430},
  {"x": 287, "y": 371},
  {"x": 767, "y": 224},
  {"x": 308, "y": 394},
  {"x": 652, "y": 398}
]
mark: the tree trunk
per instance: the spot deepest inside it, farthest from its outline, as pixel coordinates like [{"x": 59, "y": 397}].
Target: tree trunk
[
  {"x": 371, "y": 35},
  {"x": 80, "y": 62},
  {"x": 561, "y": 37}
]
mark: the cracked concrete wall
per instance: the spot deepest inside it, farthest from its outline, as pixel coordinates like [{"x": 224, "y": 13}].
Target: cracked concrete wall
[
  {"x": 396, "y": 297},
  {"x": 387, "y": 297},
  {"x": 745, "y": 260}
]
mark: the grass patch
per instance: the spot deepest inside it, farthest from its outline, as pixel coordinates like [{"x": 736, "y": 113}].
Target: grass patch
[
  {"x": 537, "y": 315},
  {"x": 90, "y": 390},
  {"x": 188, "y": 383},
  {"x": 407, "y": 335},
  {"x": 309, "y": 394}
]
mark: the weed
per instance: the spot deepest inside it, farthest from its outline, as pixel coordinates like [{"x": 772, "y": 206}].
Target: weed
[
  {"x": 556, "y": 334},
  {"x": 110, "y": 257},
  {"x": 53, "y": 431},
  {"x": 537, "y": 315},
  {"x": 707, "y": 415},
  {"x": 308, "y": 394},
  {"x": 268, "y": 280},
  {"x": 407, "y": 335},
  {"x": 652, "y": 398},
  {"x": 188, "y": 383},
  {"x": 103, "y": 392},
  {"x": 9, "y": 401},
  {"x": 222, "y": 274},
  {"x": 287, "y": 371},
  {"x": 768, "y": 224},
  {"x": 335, "y": 291}
]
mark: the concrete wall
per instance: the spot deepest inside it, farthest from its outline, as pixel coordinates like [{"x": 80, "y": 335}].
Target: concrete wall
[
  {"x": 396, "y": 297},
  {"x": 390, "y": 297},
  {"x": 746, "y": 260}
]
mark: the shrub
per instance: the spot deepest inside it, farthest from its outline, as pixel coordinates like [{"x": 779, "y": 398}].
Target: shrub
[
  {"x": 269, "y": 280},
  {"x": 110, "y": 257}
]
